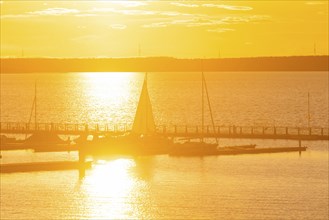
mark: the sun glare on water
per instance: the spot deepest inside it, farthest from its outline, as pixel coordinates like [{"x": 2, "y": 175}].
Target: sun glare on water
[
  {"x": 110, "y": 190},
  {"x": 112, "y": 87},
  {"x": 109, "y": 97}
]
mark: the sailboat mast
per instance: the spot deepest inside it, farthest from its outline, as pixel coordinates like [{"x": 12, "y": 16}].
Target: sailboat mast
[
  {"x": 35, "y": 104},
  {"x": 209, "y": 105},
  {"x": 145, "y": 81},
  {"x": 308, "y": 110},
  {"x": 202, "y": 123}
]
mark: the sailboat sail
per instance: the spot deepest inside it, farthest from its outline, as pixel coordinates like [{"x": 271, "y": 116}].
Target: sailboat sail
[{"x": 144, "y": 120}]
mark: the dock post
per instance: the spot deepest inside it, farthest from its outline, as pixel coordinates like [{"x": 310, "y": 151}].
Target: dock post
[
  {"x": 322, "y": 131},
  {"x": 310, "y": 131},
  {"x": 274, "y": 130},
  {"x": 263, "y": 130},
  {"x": 252, "y": 130},
  {"x": 82, "y": 158},
  {"x": 300, "y": 147},
  {"x": 82, "y": 170},
  {"x": 185, "y": 129},
  {"x": 86, "y": 127},
  {"x": 298, "y": 130},
  {"x": 286, "y": 130},
  {"x": 175, "y": 129}
]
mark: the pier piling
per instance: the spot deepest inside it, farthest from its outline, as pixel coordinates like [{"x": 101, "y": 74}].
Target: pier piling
[{"x": 286, "y": 133}]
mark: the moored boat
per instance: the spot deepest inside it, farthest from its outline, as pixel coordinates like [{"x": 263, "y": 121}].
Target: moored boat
[
  {"x": 247, "y": 146},
  {"x": 193, "y": 149},
  {"x": 200, "y": 148},
  {"x": 141, "y": 140}
]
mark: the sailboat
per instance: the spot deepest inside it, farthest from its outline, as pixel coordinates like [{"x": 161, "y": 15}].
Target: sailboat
[
  {"x": 43, "y": 140},
  {"x": 200, "y": 148},
  {"x": 141, "y": 140},
  {"x": 144, "y": 123},
  {"x": 144, "y": 129}
]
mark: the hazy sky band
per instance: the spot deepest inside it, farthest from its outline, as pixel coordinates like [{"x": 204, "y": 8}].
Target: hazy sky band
[{"x": 186, "y": 29}]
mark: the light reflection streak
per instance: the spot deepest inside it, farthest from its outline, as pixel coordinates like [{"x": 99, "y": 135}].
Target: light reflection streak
[
  {"x": 110, "y": 190},
  {"x": 110, "y": 97},
  {"x": 111, "y": 87}
]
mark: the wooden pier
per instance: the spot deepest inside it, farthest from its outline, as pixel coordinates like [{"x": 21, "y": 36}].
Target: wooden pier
[
  {"x": 248, "y": 132},
  {"x": 83, "y": 130},
  {"x": 44, "y": 166}
]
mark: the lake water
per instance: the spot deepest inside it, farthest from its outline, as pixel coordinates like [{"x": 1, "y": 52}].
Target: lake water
[{"x": 267, "y": 186}]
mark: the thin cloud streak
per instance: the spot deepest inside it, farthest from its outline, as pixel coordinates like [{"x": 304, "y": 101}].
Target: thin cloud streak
[
  {"x": 209, "y": 5},
  {"x": 17, "y": 16},
  {"x": 123, "y": 12},
  {"x": 162, "y": 18},
  {"x": 104, "y": 11},
  {"x": 221, "y": 30},
  {"x": 118, "y": 26},
  {"x": 129, "y": 4},
  {"x": 316, "y": 3},
  {"x": 184, "y": 5},
  {"x": 228, "y": 7},
  {"x": 208, "y": 21},
  {"x": 86, "y": 15},
  {"x": 55, "y": 11}
]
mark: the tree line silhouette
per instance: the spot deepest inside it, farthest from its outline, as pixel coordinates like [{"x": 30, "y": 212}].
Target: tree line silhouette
[{"x": 163, "y": 64}]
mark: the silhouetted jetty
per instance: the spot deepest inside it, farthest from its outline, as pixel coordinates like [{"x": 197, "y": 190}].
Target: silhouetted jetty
[
  {"x": 44, "y": 166},
  {"x": 238, "y": 151},
  {"x": 231, "y": 150},
  {"x": 235, "y": 131},
  {"x": 40, "y": 141}
]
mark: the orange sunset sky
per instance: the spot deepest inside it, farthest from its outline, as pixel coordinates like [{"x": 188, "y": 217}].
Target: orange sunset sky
[{"x": 182, "y": 29}]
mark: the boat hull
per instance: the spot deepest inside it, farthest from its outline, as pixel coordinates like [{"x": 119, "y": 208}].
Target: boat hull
[{"x": 127, "y": 145}]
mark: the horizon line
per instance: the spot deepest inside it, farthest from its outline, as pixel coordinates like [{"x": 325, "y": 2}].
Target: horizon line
[{"x": 170, "y": 57}]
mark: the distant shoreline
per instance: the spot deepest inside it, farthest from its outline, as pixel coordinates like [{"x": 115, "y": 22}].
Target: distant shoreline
[{"x": 163, "y": 64}]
